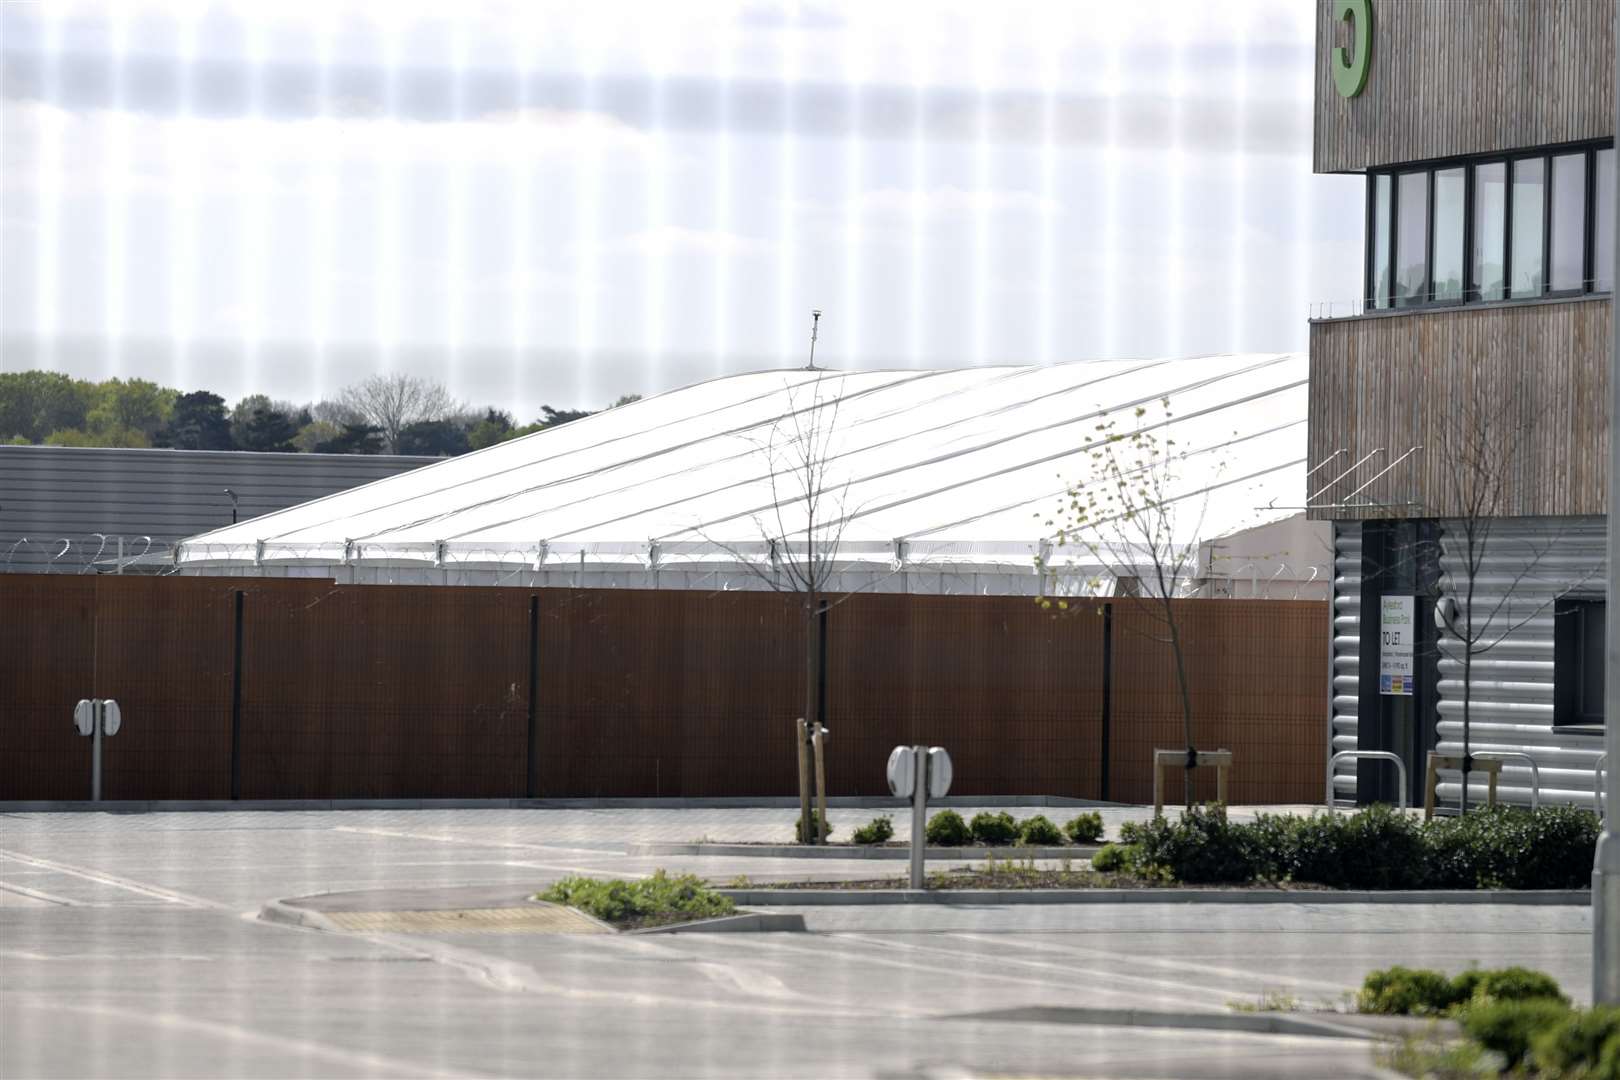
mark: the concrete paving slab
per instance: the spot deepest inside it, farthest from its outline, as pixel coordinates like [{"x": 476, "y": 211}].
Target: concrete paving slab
[{"x": 157, "y": 967}]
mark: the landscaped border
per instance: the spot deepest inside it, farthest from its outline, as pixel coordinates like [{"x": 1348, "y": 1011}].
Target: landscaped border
[{"x": 791, "y": 897}]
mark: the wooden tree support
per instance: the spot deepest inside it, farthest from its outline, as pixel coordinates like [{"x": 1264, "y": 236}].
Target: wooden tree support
[
  {"x": 1177, "y": 759},
  {"x": 801, "y": 739},
  {"x": 1490, "y": 766},
  {"x": 819, "y": 741}
]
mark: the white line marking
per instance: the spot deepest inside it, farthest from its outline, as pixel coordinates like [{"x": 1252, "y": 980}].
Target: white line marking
[
  {"x": 292, "y": 1048},
  {"x": 102, "y": 878},
  {"x": 1178, "y": 986},
  {"x": 956, "y": 971},
  {"x": 36, "y": 894},
  {"x": 400, "y": 834},
  {"x": 1155, "y": 961}
]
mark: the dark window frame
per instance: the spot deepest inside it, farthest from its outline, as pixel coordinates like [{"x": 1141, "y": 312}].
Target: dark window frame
[
  {"x": 1471, "y": 287},
  {"x": 1572, "y": 652}
]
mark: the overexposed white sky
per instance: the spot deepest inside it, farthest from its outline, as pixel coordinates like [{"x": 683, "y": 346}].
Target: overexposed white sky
[{"x": 560, "y": 203}]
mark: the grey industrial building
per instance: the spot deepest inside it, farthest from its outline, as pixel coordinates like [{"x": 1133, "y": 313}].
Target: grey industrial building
[{"x": 67, "y": 509}]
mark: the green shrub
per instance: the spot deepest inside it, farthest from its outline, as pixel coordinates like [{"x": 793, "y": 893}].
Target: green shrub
[
  {"x": 1508, "y": 1026},
  {"x": 1085, "y": 828},
  {"x": 993, "y": 830},
  {"x": 1111, "y": 859},
  {"x": 798, "y": 828},
  {"x": 1201, "y": 848},
  {"x": 1379, "y": 848},
  {"x": 1506, "y": 984},
  {"x": 1405, "y": 991},
  {"x": 659, "y": 897},
  {"x": 1505, "y": 847},
  {"x": 1401, "y": 991},
  {"x": 1584, "y": 1044},
  {"x": 875, "y": 831},
  {"x": 947, "y": 829},
  {"x": 1038, "y": 831}
]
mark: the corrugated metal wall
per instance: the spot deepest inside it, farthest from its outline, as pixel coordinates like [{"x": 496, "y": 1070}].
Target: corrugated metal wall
[
  {"x": 1527, "y": 563},
  {"x": 52, "y": 494},
  {"x": 1346, "y": 651}
]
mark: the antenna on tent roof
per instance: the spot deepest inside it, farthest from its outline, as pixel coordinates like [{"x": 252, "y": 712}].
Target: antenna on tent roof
[{"x": 815, "y": 322}]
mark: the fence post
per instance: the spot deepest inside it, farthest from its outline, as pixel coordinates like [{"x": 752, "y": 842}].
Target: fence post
[
  {"x": 1107, "y": 693},
  {"x": 530, "y": 785},
  {"x": 236, "y": 704}
]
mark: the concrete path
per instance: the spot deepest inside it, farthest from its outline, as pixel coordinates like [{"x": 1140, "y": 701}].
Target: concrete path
[{"x": 130, "y": 947}]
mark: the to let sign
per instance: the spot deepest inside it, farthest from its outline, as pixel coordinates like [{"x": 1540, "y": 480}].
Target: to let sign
[{"x": 1396, "y": 629}]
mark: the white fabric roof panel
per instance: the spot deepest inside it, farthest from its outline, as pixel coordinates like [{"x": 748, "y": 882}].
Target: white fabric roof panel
[{"x": 961, "y": 462}]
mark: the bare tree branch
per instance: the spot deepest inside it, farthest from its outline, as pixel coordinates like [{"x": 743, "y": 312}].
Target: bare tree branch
[{"x": 394, "y": 401}]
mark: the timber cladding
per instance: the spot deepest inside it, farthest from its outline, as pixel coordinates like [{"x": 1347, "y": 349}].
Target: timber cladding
[
  {"x": 1538, "y": 372},
  {"x": 424, "y": 692},
  {"x": 1454, "y": 77}
]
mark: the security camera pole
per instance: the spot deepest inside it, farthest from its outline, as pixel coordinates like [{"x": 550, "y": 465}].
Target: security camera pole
[{"x": 1606, "y": 866}]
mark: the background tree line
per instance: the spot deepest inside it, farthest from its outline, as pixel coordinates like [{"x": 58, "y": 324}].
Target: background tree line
[{"x": 384, "y": 414}]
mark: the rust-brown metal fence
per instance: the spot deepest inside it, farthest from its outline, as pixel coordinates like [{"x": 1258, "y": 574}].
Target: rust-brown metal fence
[{"x": 260, "y": 688}]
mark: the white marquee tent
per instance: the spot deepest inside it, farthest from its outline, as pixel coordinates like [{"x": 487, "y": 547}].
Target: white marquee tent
[{"x": 928, "y": 481}]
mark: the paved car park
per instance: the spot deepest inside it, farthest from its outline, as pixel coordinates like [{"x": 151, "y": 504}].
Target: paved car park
[{"x": 130, "y": 946}]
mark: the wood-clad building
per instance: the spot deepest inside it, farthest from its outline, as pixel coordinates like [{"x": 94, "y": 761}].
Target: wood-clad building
[{"x": 1458, "y": 418}]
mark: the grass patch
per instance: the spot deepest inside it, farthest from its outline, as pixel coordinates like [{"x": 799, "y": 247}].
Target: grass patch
[
  {"x": 1269, "y": 1001},
  {"x": 631, "y": 905}
]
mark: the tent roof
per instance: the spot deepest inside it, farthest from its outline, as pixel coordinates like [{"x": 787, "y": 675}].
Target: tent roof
[{"x": 961, "y": 463}]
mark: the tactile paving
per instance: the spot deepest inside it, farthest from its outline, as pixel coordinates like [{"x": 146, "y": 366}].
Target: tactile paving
[{"x": 535, "y": 919}]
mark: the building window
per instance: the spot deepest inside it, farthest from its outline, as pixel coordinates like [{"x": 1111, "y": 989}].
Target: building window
[
  {"x": 1526, "y": 250},
  {"x": 1412, "y": 239},
  {"x": 1578, "y": 636},
  {"x": 1567, "y": 239},
  {"x": 1378, "y": 273},
  {"x": 1490, "y": 231},
  {"x": 1449, "y": 203},
  {"x": 1538, "y": 223},
  {"x": 1603, "y": 222}
]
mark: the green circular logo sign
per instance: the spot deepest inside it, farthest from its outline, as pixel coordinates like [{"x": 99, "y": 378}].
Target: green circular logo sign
[{"x": 1350, "y": 75}]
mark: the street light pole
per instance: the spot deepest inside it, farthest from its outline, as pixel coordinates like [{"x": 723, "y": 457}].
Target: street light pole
[
  {"x": 1606, "y": 865},
  {"x": 232, "y": 494}
]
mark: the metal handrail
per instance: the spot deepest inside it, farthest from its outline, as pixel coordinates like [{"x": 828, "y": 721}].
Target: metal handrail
[
  {"x": 1535, "y": 773},
  {"x": 1382, "y": 755}
]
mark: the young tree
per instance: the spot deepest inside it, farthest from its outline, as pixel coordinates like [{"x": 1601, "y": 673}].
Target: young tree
[
  {"x": 1132, "y": 521},
  {"x": 393, "y": 402},
  {"x": 1478, "y": 443},
  {"x": 803, "y": 528}
]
